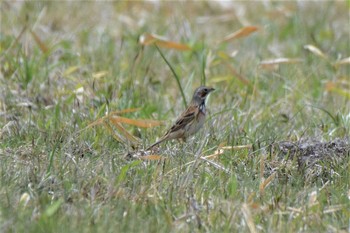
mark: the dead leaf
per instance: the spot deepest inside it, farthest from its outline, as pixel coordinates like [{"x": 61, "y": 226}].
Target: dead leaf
[
  {"x": 150, "y": 39},
  {"x": 243, "y": 32}
]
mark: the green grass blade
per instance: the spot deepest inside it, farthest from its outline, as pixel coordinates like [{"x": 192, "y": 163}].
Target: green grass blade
[{"x": 175, "y": 75}]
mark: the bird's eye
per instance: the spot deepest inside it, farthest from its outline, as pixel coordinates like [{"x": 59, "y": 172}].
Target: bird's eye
[{"x": 205, "y": 89}]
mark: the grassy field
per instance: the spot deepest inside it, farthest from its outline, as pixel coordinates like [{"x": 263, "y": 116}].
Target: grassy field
[{"x": 79, "y": 80}]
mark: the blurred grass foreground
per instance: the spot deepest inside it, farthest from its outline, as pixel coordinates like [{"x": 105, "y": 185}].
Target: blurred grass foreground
[{"x": 82, "y": 84}]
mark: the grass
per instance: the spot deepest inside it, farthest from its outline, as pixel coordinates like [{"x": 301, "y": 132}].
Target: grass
[{"x": 67, "y": 64}]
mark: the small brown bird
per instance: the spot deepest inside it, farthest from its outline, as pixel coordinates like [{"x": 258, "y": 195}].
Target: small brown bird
[{"x": 191, "y": 120}]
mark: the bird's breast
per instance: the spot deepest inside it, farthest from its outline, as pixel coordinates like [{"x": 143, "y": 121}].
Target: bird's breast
[
  {"x": 197, "y": 123},
  {"x": 202, "y": 108}
]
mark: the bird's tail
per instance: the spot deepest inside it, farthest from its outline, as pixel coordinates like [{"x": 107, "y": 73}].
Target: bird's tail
[{"x": 156, "y": 143}]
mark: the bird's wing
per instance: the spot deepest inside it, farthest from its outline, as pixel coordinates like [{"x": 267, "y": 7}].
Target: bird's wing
[
  {"x": 179, "y": 128},
  {"x": 186, "y": 118}
]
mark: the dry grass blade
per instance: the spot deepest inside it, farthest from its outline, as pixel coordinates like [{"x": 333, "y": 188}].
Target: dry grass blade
[
  {"x": 243, "y": 32},
  {"x": 96, "y": 122},
  {"x": 116, "y": 121},
  {"x": 221, "y": 150},
  {"x": 139, "y": 122},
  {"x": 41, "y": 44},
  {"x": 10, "y": 128},
  {"x": 152, "y": 157},
  {"x": 295, "y": 210},
  {"x": 115, "y": 118},
  {"x": 100, "y": 74},
  {"x": 79, "y": 94},
  {"x": 16, "y": 41},
  {"x": 221, "y": 145},
  {"x": 236, "y": 74},
  {"x": 262, "y": 166},
  {"x": 111, "y": 131},
  {"x": 216, "y": 165},
  {"x": 24, "y": 200},
  {"x": 334, "y": 208},
  {"x": 218, "y": 152},
  {"x": 173, "y": 45},
  {"x": 128, "y": 110},
  {"x": 313, "y": 49},
  {"x": 123, "y": 131},
  {"x": 150, "y": 39},
  {"x": 312, "y": 199},
  {"x": 267, "y": 64},
  {"x": 266, "y": 182},
  {"x": 70, "y": 70},
  {"x": 218, "y": 79},
  {"x": 248, "y": 218},
  {"x": 345, "y": 61},
  {"x": 249, "y": 146},
  {"x": 333, "y": 87}
]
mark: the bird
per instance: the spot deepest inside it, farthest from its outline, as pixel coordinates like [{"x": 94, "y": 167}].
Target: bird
[{"x": 191, "y": 120}]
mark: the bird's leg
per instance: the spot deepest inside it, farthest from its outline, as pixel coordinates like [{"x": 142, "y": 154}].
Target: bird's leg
[{"x": 181, "y": 142}]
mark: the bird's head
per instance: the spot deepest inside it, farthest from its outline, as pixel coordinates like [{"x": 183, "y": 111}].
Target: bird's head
[{"x": 201, "y": 94}]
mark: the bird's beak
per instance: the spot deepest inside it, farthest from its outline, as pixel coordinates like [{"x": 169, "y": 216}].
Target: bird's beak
[{"x": 211, "y": 89}]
